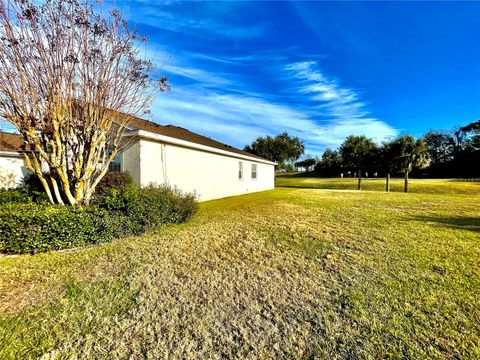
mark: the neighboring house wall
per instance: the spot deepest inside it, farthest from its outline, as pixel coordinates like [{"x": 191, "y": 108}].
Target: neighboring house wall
[
  {"x": 210, "y": 175},
  {"x": 12, "y": 170}
]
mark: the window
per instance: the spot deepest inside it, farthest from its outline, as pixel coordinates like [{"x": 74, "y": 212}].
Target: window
[
  {"x": 116, "y": 164},
  {"x": 254, "y": 171},
  {"x": 240, "y": 170}
]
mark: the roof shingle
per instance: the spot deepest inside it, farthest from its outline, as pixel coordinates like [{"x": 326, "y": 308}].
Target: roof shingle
[
  {"x": 10, "y": 142},
  {"x": 14, "y": 142},
  {"x": 186, "y": 135}
]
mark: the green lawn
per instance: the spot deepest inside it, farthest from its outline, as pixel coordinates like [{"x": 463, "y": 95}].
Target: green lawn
[
  {"x": 437, "y": 186},
  {"x": 291, "y": 272}
]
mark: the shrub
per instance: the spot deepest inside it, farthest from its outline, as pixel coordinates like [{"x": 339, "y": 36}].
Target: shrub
[
  {"x": 22, "y": 196},
  {"x": 35, "y": 190},
  {"x": 32, "y": 228},
  {"x": 30, "y": 191},
  {"x": 166, "y": 205},
  {"x": 135, "y": 210},
  {"x": 125, "y": 211},
  {"x": 16, "y": 196},
  {"x": 112, "y": 181}
]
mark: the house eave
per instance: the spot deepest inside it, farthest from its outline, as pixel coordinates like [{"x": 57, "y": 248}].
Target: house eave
[
  {"x": 15, "y": 154},
  {"x": 187, "y": 144}
]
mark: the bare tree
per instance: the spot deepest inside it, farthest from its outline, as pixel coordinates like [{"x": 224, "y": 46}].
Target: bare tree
[{"x": 69, "y": 75}]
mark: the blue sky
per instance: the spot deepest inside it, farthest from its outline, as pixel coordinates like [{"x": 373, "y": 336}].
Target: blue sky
[{"x": 319, "y": 70}]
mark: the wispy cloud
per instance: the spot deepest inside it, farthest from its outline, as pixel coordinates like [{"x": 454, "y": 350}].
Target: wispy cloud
[
  {"x": 228, "y": 108},
  {"x": 338, "y": 100},
  {"x": 199, "y": 75},
  {"x": 231, "y": 118},
  {"x": 237, "y": 120},
  {"x": 198, "y": 19},
  {"x": 237, "y": 94},
  {"x": 341, "y": 108}
]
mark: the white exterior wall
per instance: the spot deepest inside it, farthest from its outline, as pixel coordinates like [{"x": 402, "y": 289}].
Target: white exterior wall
[
  {"x": 152, "y": 164},
  {"x": 12, "y": 170},
  {"x": 131, "y": 161},
  {"x": 210, "y": 175}
]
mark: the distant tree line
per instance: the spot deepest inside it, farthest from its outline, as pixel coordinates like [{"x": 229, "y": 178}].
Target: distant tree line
[
  {"x": 449, "y": 154},
  {"x": 282, "y": 149},
  {"x": 455, "y": 153},
  {"x": 436, "y": 154},
  {"x": 307, "y": 164}
]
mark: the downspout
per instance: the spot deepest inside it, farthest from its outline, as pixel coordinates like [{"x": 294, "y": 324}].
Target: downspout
[{"x": 164, "y": 163}]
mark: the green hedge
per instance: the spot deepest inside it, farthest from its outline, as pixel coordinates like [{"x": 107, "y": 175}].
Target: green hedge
[
  {"x": 14, "y": 196},
  {"x": 22, "y": 196},
  {"x": 32, "y": 228},
  {"x": 111, "y": 181},
  {"x": 136, "y": 210}
]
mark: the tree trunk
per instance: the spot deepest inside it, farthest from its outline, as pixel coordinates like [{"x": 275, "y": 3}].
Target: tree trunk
[
  {"x": 359, "y": 187},
  {"x": 405, "y": 185},
  {"x": 387, "y": 186}
]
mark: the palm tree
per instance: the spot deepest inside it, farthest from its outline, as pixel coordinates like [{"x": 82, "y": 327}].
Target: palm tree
[
  {"x": 356, "y": 151},
  {"x": 409, "y": 153},
  {"x": 387, "y": 161}
]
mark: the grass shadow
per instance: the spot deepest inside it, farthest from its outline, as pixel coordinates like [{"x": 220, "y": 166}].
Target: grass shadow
[
  {"x": 301, "y": 187},
  {"x": 453, "y": 222},
  {"x": 468, "y": 180}
]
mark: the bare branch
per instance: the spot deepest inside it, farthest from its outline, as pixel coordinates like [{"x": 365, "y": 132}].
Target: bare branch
[{"x": 68, "y": 77}]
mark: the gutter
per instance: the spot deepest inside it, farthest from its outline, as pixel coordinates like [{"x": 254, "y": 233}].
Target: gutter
[
  {"x": 14, "y": 154},
  {"x": 183, "y": 143}
]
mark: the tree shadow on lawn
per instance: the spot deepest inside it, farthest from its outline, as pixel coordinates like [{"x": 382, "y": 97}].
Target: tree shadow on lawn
[
  {"x": 300, "y": 187},
  {"x": 454, "y": 222},
  {"x": 474, "y": 180}
]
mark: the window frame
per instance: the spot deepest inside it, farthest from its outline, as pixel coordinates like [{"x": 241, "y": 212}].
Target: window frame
[
  {"x": 115, "y": 166},
  {"x": 254, "y": 172},
  {"x": 240, "y": 170}
]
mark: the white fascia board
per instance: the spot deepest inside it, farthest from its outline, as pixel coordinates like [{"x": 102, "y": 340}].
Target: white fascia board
[
  {"x": 15, "y": 154},
  {"x": 188, "y": 144}
]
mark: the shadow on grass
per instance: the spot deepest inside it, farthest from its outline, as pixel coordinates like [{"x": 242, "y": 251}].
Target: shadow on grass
[
  {"x": 300, "y": 186},
  {"x": 454, "y": 222},
  {"x": 319, "y": 187},
  {"x": 298, "y": 175},
  {"x": 473, "y": 180}
]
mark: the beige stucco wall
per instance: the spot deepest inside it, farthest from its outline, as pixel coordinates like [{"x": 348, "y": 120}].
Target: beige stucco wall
[
  {"x": 12, "y": 170},
  {"x": 210, "y": 175}
]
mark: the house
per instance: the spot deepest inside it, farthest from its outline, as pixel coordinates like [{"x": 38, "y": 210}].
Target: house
[
  {"x": 166, "y": 154},
  {"x": 12, "y": 166}
]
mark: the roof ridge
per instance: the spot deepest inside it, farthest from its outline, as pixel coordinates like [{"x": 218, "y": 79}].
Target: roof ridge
[
  {"x": 181, "y": 133},
  {"x": 15, "y": 141}
]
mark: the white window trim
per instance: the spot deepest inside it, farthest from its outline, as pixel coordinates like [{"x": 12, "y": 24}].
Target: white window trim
[
  {"x": 256, "y": 172},
  {"x": 240, "y": 170}
]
